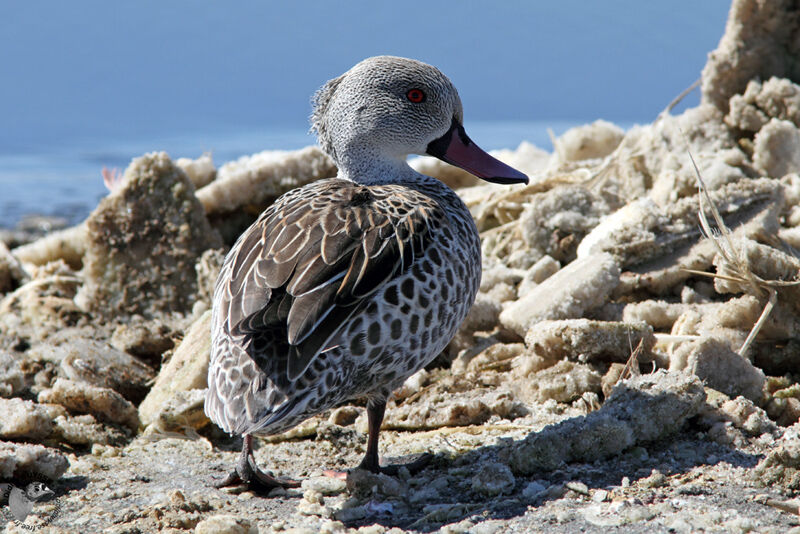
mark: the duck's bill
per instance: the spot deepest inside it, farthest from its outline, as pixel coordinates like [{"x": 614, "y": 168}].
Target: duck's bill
[{"x": 456, "y": 148}]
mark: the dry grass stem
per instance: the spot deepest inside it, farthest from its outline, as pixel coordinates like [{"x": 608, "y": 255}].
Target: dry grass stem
[{"x": 733, "y": 259}]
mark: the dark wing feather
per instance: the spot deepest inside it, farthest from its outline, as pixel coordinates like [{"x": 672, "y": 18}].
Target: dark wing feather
[{"x": 312, "y": 260}]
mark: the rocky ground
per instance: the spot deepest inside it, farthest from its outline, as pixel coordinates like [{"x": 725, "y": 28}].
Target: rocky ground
[{"x": 630, "y": 365}]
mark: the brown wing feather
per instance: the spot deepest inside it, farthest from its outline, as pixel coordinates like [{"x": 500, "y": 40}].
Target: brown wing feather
[{"x": 312, "y": 260}]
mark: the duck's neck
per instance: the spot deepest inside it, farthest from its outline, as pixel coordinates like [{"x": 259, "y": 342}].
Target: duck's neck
[{"x": 369, "y": 167}]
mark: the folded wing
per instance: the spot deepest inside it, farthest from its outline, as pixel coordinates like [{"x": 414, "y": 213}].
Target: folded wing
[{"x": 315, "y": 258}]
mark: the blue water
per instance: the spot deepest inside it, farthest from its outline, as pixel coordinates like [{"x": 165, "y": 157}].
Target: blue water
[{"x": 64, "y": 179}]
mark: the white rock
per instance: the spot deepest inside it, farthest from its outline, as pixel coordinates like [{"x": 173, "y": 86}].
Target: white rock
[
  {"x": 630, "y": 214},
  {"x": 580, "y": 286},
  {"x": 201, "y": 171},
  {"x": 589, "y": 141},
  {"x": 721, "y": 368},
  {"x": 325, "y": 485},
  {"x": 225, "y": 524},
  {"x": 775, "y": 151}
]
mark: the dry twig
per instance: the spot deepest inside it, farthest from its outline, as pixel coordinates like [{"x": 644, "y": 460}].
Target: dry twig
[{"x": 734, "y": 260}]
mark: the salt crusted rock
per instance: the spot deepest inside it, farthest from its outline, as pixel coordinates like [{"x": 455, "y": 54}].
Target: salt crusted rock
[
  {"x": 760, "y": 41},
  {"x": 13, "y": 378},
  {"x": 26, "y": 420},
  {"x": 25, "y": 462},
  {"x": 258, "y": 179},
  {"x": 719, "y": 367},
  {"x": 97, "y": 363},
  {"x": 68, "y": 245},
  {"x": 642, "y": 232},
  {"x": 42, "y": 307},
  {"x": 781, "y": 466},
  {"x": 144, "y": 240},
  {"x": 657, "y": 313},
  {"x": 563, "y": 382},
  {"x": 777, "y": 98},
  {"x": 775, "y": 149},
  {"x": 144, "y": 339},
  {"x": 362, "y": 483},
  {"x": 225, "y": 524},
  {"x": 729, "y": 321},
  {"x": 84, "y": 430},
  {"x": 640, "y": 410},
  {"x": 737, "y": 313},
  {"x": 102, "y": 403},
  {"x": 658, "y": 154},
  {"x": 495, "y": 272},
  {"x": 538, "y": 273},
  {"x": 444, "y": 408},
  {"x": 585, "y": 340},
  {"x": 186, "y": 370},
  {"x": 580, "y": 286},
  {"x": 491, "y": 356},
  {"x": 743, "y": 414},
  {"x": 182, "y": 412},
  {"x": 554, "y": 222},
  {"x": 766, "y": 262},
  {"x": 200, "y": 171},
  {"x": 589, "y": 141},
  {"x": 785, "y": 412}
]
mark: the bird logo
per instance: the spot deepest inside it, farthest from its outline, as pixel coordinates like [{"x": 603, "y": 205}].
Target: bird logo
[{"x": 21, "y": 501}]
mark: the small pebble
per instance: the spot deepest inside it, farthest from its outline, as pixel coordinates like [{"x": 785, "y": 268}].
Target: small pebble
[
  {"x": 344, "y": 416},
  {"x": 491, "y": 526},
  {"x": 331, "y": 527},
  {"x": 600, "y": 495},
  {"x": 578, "y": 487},
  {"x": 325, "y": 485},
  {"x": 223, "y": 524},
  {"x": 655, "y": 480},
  {"x": 176, "y": 496},
  {"x": 312, "y": 508},
  {"x": 462, "y": 527},
  {"x": 313, "y": 496}
]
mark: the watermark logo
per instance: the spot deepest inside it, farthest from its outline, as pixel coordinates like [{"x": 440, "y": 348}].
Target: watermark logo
[{"x": 18, "y": 503}]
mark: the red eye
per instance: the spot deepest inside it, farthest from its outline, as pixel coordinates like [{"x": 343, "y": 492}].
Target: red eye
[{"x": 415, "y": 95}]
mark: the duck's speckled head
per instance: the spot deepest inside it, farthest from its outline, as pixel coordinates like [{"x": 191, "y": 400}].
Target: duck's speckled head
[{"x": 386, "y": 108}]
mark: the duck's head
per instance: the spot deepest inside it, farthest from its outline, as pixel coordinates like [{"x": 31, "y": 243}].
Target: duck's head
[{"x": 385, "y": 108}]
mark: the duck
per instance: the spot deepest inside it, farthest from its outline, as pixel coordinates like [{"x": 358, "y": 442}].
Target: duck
[{"x": 345, "y": 287}]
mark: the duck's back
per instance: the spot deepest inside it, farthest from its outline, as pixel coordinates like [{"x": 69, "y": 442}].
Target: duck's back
[{"x": 339, "y": 290}]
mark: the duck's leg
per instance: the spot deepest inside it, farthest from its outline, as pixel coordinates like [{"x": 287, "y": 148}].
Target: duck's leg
[
  {"x": 374, "y": 419},
  {"x": 370, "y": 462},
  {"x": 247, "y": 472}
]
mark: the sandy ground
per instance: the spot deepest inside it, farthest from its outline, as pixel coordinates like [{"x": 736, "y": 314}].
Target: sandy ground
[{"x": 686, "y": 484}]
